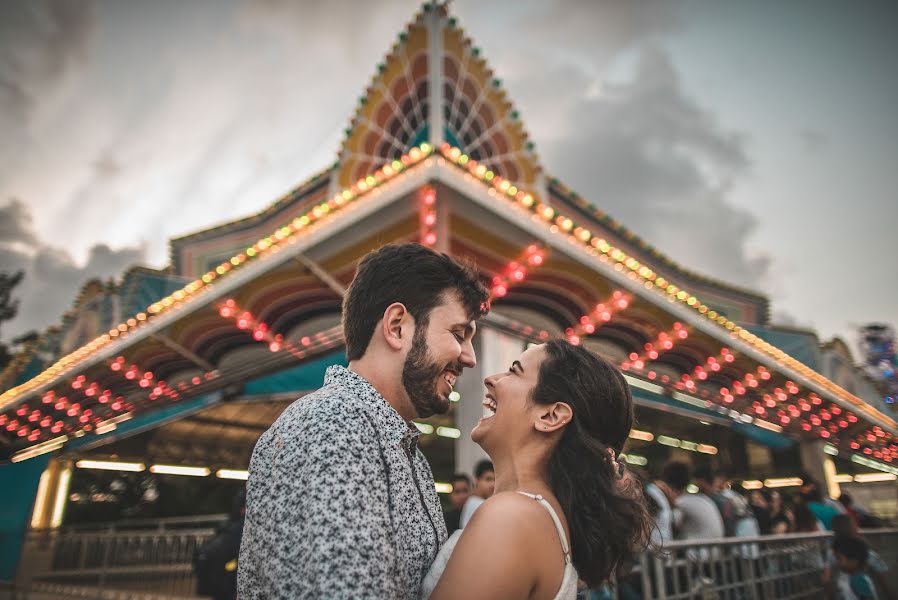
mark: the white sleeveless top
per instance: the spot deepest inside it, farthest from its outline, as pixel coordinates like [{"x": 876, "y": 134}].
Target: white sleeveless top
[{"x": 568, "y": 589}]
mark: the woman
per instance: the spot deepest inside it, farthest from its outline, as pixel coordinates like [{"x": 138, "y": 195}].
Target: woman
[{"x": 564, "y": 507}]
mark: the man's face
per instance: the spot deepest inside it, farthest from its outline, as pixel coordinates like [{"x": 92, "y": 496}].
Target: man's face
[
  {"x": 460, "y": 492},
  {"x": 440, "y": 352},
  {"x": 485, "y": 485}
]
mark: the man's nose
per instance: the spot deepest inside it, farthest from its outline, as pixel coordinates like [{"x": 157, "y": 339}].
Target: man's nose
[{"x": 468, "y": 358}]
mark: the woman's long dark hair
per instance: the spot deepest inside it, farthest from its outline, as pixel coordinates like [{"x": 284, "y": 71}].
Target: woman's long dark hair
[{"x": 607, "y": 514}]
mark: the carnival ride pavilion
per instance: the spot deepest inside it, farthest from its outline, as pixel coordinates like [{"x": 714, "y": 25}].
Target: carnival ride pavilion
[{"x": 178, "y": 371}]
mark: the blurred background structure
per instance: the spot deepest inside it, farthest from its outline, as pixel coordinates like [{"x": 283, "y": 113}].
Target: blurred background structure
[{"x": 145, "y": 402}]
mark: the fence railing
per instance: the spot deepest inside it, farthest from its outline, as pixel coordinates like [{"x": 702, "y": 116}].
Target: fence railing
[
  {"x": 157, "y": 557},
  {"x": 784, "y": 567},
  {"x": 152, "y": 556}
]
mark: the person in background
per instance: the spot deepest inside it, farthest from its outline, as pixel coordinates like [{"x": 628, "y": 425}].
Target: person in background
[
  {"x": 782, "y": 519},
  {"x": 875, "y": 567},
  {"x": 711, "y": 483},
  {"x": 812, "y": 557},
  {"x": 215, "y": 562},
  {"x": 461, "y": 490},
  {"x": 484, "y": 486},
  {"x": 848, "y": 502},
  {"x": 661, "y": 501},
  {"x": 744, "y": 522},
  {"x": 862, "y": 518},
  {"x": 780, "y": 525},
  {"x": 806, "y": 521},
  {"x": 812, "y": 497},
  {"x": 760, "y": 507},
  {"x": 849, "y": 582},
  {"x": 695, "y": 515}
]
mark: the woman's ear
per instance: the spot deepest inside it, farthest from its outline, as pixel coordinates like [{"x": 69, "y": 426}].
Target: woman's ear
[
  {"x": 397, "y": 327},
  {"x": 553, "y": 417}
]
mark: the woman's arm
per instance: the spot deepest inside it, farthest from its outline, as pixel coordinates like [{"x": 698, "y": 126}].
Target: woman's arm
[{"x": 506, "y": 551}]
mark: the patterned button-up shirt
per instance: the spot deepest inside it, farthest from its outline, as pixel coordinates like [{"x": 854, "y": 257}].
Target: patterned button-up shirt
[{"x": 340, "y": 500}]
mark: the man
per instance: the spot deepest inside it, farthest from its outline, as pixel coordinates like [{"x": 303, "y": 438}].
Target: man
[
  {"x": 661, "y": 498},
  {"x": 341, "y": 502},
  {"x": 484, "y": 486},
  {"x": 712, "y": 483},
  {"x": 848, "y": 581},
  {"x": 461, "y": 490},
  {"x": 824, "y": 511},
  {"x": 215, "y": 562},
  {"x": 695, "y": 516},
  {"x": 874, "y": 567}
]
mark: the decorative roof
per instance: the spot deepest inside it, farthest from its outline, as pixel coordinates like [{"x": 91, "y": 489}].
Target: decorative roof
[
  {"x": 433, "y": 64},
  {"x": 501, "y": 174}
]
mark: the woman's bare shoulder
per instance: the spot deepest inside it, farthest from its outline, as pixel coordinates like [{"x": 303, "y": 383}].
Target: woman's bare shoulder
[{"x": 510, "y": 513}]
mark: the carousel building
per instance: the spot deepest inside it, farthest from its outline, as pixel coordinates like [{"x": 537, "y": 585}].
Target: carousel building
[{"x": 177, "y": 372}]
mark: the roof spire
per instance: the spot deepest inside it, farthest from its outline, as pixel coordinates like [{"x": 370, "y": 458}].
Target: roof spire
[{"x": 433, "y": 86}]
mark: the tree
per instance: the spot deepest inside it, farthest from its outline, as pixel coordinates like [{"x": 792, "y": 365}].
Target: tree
[{"x": 9, "y": 307}]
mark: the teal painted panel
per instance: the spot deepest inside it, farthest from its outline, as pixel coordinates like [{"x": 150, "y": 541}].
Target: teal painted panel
[
  {"x": 141, "y": 289},
  {"x": 764, "y": 436},
  {"x": 301, "y": 378},
  {"x": 801, "y": 346},
  {"x": 19, "y": 484}
]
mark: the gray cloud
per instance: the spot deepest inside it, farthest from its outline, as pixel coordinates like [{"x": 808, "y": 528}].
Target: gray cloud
[
  {"x": 39, "y": 42},
  {"x": 786, "y": 319},
  {"x": 52, "y": 278},
  {"x": 813, "y": 141},
  {"x": 650, "y": 155},
  {"x": 601, "y": 29}
]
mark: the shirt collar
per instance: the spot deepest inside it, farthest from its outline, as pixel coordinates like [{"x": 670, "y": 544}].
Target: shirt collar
[{"x": 396, "y": 429}]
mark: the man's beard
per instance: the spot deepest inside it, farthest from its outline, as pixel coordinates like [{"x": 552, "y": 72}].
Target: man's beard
[{"x": 419, "y": 377}]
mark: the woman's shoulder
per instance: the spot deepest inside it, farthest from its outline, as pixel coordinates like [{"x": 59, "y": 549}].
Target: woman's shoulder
[{"x": 509, "y": 514}]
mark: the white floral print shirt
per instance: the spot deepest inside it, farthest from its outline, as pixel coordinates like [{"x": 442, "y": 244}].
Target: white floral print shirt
[{"x": 340, "y": 500}]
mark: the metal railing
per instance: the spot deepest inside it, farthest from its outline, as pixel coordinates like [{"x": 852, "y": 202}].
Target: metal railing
[
  {"x": 149, "y": 556},
  {"x": 156, "y": 557},
  {"x": 784, "y": 567}
]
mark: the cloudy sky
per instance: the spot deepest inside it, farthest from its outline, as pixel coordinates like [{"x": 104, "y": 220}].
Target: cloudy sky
[{"x": 756, "y": 142}]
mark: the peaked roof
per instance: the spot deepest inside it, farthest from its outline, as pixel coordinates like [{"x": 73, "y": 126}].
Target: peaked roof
[{"x": 434, "y": 87}]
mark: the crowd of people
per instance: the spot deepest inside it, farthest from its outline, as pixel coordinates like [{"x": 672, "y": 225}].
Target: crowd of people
[{"x": 719, "y": 508}]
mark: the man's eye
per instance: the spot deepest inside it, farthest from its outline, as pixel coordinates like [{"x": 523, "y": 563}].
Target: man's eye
[{"x": 459, "y": 337}]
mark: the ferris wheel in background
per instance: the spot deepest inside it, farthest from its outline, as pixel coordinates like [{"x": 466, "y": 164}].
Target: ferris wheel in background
[{"x": 878, "y": 345}]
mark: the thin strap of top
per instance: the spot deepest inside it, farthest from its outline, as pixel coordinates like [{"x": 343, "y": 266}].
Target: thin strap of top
[{"x": 558, "y": 526}]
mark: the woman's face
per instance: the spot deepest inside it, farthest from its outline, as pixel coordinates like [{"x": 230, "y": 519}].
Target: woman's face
[{"x": 509, "y": 413}]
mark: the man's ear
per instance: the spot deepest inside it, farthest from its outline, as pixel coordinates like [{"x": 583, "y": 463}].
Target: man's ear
[
  {"x": 553, "y": 417},
  {"x": 398, "y": 326}
]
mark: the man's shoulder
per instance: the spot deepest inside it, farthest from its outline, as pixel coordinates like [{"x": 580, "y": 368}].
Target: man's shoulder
[{"x": 331, "y": 410}]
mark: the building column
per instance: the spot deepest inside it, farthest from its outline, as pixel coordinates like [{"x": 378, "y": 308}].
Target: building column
[
  {"x": 495, "y": 352},
  {"x": 819, "y": 466},
  {"x": 52, "y": 492}
]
